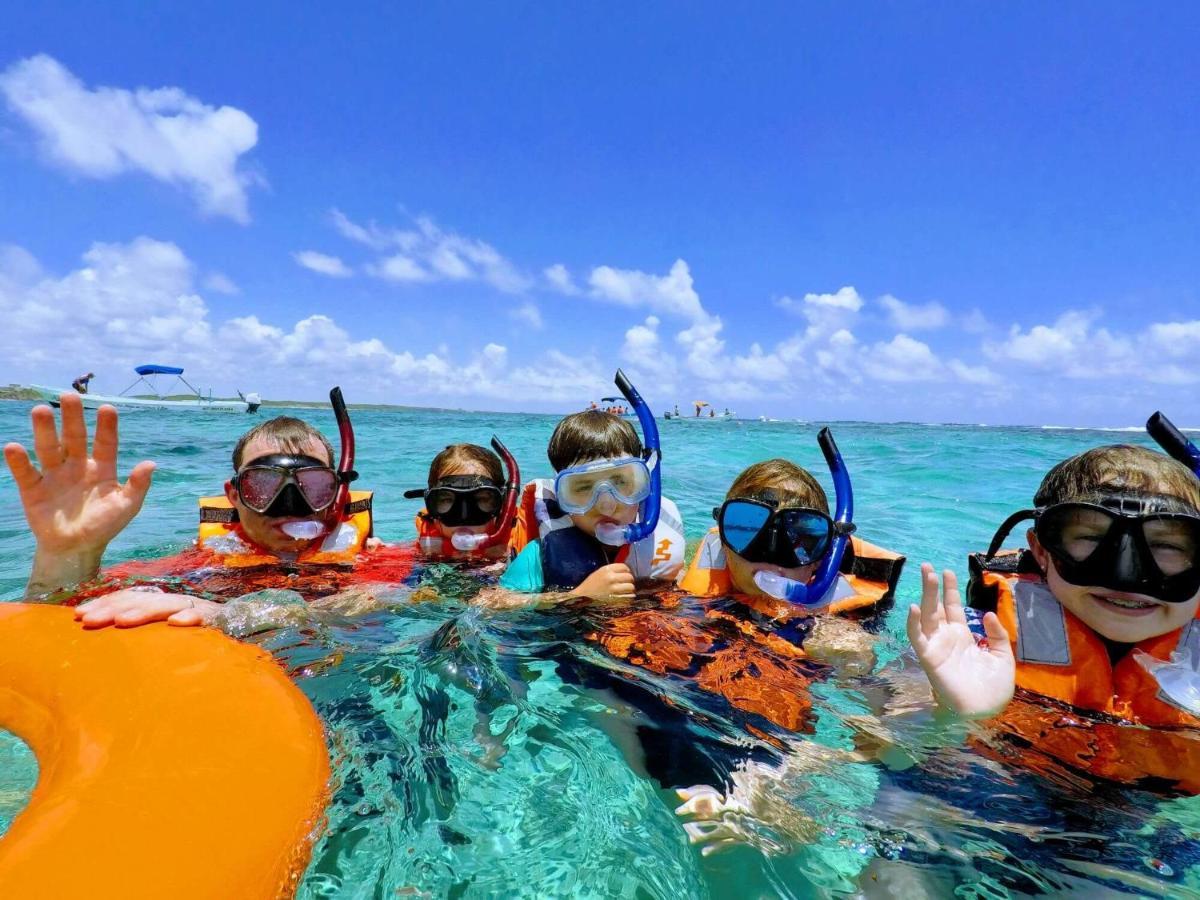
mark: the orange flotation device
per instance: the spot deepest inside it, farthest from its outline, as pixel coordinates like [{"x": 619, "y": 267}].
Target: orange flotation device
[
  {"x": 149, "y": 740},
  {"x": 868, "y": 574},
  {"x": 1065, "y": 661},
  {"x": 220, "y": 535}
]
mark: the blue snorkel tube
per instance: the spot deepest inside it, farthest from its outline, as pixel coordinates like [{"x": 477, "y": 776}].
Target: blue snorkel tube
[
  {"x": 817, "y": 592},
  {"x": 1172, "y": 440},
  {"x": 631, "y": 534}
]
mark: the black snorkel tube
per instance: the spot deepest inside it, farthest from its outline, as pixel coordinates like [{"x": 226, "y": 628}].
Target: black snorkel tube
[
  {"x": 467, "y": 542},
  {"x": 345, "y": 466},
  {"x": 652, "y": 452},
  {"x": 1174, "y": 442},
  {"x": 817, "y": 591}
]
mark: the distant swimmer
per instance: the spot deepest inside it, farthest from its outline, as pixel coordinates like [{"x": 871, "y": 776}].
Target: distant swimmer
[{"x": 80, "y": 384}]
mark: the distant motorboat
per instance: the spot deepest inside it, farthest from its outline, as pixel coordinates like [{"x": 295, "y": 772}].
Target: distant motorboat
[
  {"x": 248, "y": 403},
  {"x": 724, "y": 417}
]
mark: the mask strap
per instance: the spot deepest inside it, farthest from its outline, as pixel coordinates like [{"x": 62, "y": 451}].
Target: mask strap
[{"x": 1007, "y": 526}]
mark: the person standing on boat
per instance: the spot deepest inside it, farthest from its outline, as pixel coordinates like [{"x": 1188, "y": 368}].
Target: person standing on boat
[{"x": 80, "y": 384}]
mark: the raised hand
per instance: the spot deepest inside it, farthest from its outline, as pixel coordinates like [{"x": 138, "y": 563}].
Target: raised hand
[
  {"x": 74, "y": 505},
  {"x": 972, "y": 680}
]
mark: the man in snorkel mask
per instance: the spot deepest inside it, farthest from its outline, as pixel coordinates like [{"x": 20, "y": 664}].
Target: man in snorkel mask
[
  {"x": 284, "y": 486},
  {"x": 286, "y": 503}
]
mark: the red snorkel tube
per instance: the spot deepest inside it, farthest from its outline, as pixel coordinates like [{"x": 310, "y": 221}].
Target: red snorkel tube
[
  {"x": 345, "y": 467},
  {"x": 465, "y": 542}
]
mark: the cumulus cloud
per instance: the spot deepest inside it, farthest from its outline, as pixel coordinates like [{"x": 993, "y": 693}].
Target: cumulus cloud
[
  {"x": 164, "y": 133},
  {"x": 1074, "y": 346},
  {"x": 322, "y": 263},
  {"x": 671, "y": 294},
  {"x": 915, "y": 317},
  {"x": 133, "y": 302},
  {"x": 426, "y": 252}
]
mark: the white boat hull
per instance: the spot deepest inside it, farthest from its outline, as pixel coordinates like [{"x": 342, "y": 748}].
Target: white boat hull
[{"x": 95, "y": 401}]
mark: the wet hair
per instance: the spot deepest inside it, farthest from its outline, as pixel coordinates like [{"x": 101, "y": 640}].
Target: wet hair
[
  {"x": 780, "y": 483},
  {"x": 457, "y": 456},
  {"x": 289, "y": 433},
  {"x": 591, "y": 434},
  {"x": 1118, "y": 468}
]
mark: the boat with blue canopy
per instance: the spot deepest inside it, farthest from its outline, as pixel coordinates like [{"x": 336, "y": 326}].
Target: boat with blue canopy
[{"x": 149, "y": 374}]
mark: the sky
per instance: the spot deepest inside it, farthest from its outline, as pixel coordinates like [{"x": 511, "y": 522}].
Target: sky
[{"x": 982, "y": 213}]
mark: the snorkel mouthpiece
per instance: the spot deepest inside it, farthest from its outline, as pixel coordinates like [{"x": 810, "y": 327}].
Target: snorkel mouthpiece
[
  {"x": 817, "y": 591},
  {"x": 616, "y": 535},
  {"x": 1173, "y": 441},
  {"x": 303, "y": 531}
]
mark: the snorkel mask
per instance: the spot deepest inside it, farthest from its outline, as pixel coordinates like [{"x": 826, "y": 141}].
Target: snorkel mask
[
  {"x": 1130, "y": 542},
  {"x": 283, "y": 485},
  {"x": 648, "y": 496},
  {"x": 456, "y": 501},
  {"x": 807, "y": 534},
  {"x": 1133, "y": 543}
]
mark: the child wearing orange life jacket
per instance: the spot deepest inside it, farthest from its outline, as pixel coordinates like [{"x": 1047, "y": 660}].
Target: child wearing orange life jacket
[
  {"x": 774, "y": 530},
  {"x": 470, "y": 507},
  {"x": 1097, "y": 622}
]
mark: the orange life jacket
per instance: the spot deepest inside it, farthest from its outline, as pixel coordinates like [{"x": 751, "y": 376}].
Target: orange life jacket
[
  {"x": 222, "y": 536},
  {"x": 1061, "y": 658},
  {"x": 868, "y": 574}
]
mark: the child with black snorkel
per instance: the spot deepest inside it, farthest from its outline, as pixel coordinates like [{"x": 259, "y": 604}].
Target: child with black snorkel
[{"x": 1089, "y": 646}]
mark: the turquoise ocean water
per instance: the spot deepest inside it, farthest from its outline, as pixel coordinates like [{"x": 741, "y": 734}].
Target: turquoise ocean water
[{"x": 474, "y": 759}]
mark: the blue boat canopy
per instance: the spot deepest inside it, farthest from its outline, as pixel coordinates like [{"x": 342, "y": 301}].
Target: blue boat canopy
[{"x": 158, "y": 370}]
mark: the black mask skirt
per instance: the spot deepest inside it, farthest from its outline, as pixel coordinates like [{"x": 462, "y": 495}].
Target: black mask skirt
[{"x": 1135, "y": 544}]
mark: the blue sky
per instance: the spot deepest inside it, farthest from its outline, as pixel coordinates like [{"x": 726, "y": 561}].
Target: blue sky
[{"x": 873, "y": 211}]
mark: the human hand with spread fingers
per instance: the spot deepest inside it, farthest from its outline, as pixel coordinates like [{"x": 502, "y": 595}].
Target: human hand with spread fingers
[
  {"x": 972, "y": 679},
  {"x": 73, "y": 501}
]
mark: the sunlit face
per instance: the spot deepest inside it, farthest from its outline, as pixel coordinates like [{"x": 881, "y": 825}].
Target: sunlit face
[
  {"x": 741, "y": 572},
  {"x": 1116, "y": 615},
  {"x": 264, "y": 530}
]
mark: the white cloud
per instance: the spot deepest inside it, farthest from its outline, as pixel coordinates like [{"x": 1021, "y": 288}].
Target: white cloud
[
  {"x": 133, "y": 303},
  {"x": 1074, "y": 347},
  {"x": 163, "y": 133},
  {"x": 670, "y": 294},
  {"x": 915, "y": 317},
  {"x": 398, "y": 268},
  {"x": 560, "y": 279},
  {"x": 902, "y": 359},
  {"x": 428, "y": 253},
  {"x": 528, "y": 314},
  {"x": 221, "y": 284},
  {"x": 322, "y": 263}
]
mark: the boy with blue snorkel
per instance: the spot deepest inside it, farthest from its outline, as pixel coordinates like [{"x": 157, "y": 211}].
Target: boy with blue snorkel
[{"x": 602, "y": 525}]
